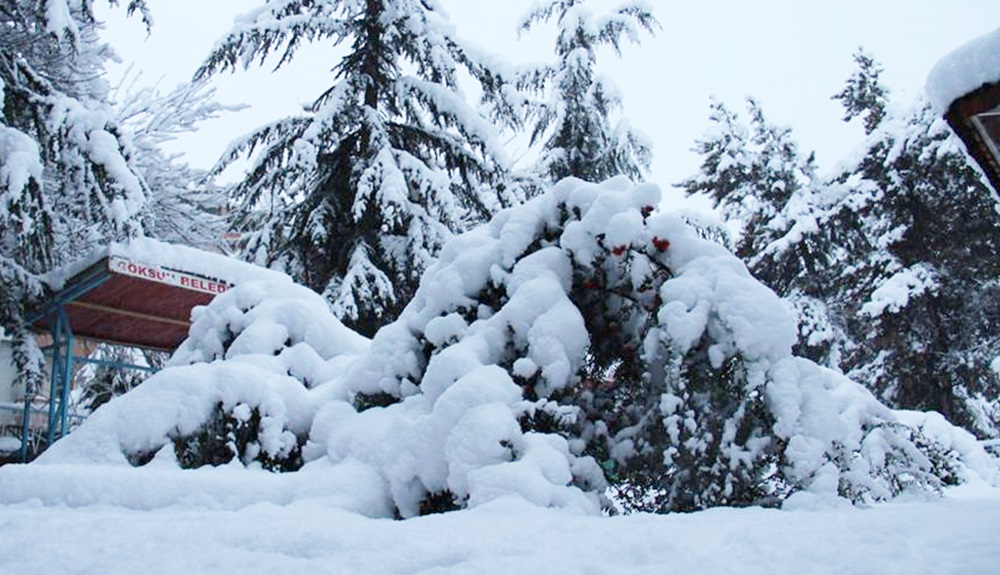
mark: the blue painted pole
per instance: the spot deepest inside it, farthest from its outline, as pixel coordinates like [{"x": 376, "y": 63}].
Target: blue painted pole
[
  {"x": 54, "y": 374},
  {"x": 67, "y": 379},
  {"x": 25, "y": 425}
]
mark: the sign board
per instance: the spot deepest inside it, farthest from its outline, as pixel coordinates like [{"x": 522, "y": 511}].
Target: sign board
[{"x": 123, "y": 266}]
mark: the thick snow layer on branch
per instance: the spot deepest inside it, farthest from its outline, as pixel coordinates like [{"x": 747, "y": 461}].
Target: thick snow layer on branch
[
  {"x": 19, "y": 164},
  {"x": 176, "y": 402},
  {"x": 897, "y": 291},
  {"x": 964, "y": 70},
  {"x": 501, "y": 296},
  {"x": 269, "y": 319}
]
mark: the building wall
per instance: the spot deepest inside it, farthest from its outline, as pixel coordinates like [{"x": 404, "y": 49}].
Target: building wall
[{"x": 6, "y": 371}]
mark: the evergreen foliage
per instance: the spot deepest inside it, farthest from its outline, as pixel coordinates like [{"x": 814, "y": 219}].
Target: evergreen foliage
[
  {"x": 889, "y": 263},
  {"x": 864, "y": 96},
  {"x": 682, "y": 390},
  {"x": 279, "y": 338},
  {"x": 574, "y": 122},
  {"x": 233, "y": 433},
  {"x": 67, "y": 176},
  {"x": 926, "y": 285},
  {"x": 759, "y": 181},
  {"x": 355, "y": 197}
]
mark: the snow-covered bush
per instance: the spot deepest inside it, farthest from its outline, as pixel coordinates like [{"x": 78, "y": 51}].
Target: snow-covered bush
[
  {"x": 242, "y": 385},
  {"x": 584, "y": 332},
  {"x": 579, "y": 345}
]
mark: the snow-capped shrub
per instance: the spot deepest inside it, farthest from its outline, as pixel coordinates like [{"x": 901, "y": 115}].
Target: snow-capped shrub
[
  {"x": 576, "y": 344},
  {"x": 278, "y": 323},
  {"x": 583, "y": 332},
  {"x": 239, "y": 387}
]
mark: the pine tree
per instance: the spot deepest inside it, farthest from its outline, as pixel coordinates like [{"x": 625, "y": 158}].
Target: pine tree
[
  {"x": 884, "y": 262},
  {"x": 864, "y": 95},
  {"x": 355, "y": 197},
  {"x": 758, "y": 180},
  {"x": 575, "y": 122},
  {"x": 66, "y": 174},
  {"x": 917, "y": 228},
  {"x": 925, "y": 282}
]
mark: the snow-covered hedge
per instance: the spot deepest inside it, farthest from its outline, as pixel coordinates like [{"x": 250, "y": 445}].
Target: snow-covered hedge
[
  {"x": 240, "y": 386},
  {"x": 578, "y": 346}
]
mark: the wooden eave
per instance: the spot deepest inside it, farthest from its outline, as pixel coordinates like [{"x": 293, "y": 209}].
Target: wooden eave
[{"x": 960, "y": 117}]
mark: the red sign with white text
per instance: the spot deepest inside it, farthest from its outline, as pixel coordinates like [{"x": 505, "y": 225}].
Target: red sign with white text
[{"x": 127, "y": 267}]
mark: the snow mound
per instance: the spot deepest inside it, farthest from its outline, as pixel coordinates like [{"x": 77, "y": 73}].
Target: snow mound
[
  {"x": 246, "y": 383},
  {"x": 964, "y": 70},
  {"x": 275, "y": 324}
]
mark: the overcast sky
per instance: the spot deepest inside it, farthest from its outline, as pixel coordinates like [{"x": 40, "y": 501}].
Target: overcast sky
[{"x": 791, "y": 55}]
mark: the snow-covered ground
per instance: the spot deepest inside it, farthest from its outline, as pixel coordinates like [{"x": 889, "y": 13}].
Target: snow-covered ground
[{"x": 216, "y": 528}]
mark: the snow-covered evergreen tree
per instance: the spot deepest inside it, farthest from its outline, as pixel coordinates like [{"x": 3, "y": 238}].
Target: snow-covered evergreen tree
[
  {"x": 576, "y": 121},
  {"x": 888, "y": 263},
  {"x": 925, "y": 280},
  {"x": 917, "y": 230},
  {"x": 578, "y": 342},
  {"x": 864, "y": 95},
  {"x": 355, "y": 196},
  {"x": 67, "y": 179},
  {"x": 760, "y": 183}
]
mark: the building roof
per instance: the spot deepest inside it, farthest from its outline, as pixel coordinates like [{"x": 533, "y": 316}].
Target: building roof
[
  {"x": 964, "y": 87},
  {"x": 141, "y": 293},
  {"x": 964, "y": 70}
]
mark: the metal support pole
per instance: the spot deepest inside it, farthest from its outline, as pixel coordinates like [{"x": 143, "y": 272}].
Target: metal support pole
[
  {"x": 54, "y": 375},
  {"x": 61, "y": 376},
  {"x": 25, "y": 425},
  {"x": 67, "y": 379}
]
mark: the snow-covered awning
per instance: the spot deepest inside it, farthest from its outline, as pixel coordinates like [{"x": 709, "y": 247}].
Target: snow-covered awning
[
  {"x": 141, "y": 293},
  {"x": 964, "y": 87}
]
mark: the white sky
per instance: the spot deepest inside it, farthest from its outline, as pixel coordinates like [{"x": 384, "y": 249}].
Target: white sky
[{"x": 792, "y": 55}]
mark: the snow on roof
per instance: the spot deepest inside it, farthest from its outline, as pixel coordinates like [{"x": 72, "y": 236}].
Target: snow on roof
[
  {"x": 177, "y": 257},
  {"x": 964, "y": 70}
]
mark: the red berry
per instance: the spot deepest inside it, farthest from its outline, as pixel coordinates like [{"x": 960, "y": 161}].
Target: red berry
[
  {"x": 661, "y": 243},
  {"x": 619, "y": 250},
  {"x": 646, "y": 210},
  {"x": 590, "y": 284}
]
